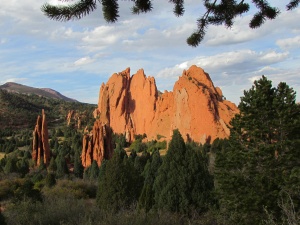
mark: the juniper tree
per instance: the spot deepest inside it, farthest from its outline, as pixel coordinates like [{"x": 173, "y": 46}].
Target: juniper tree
[
  {"x": 183, "y": 183},
  {"x": 217, "y": 12},
  {"x": 78, "y": 168},
  {"x": 262, "y": 157},
  {"x": 61, "y": 166},
  {"x": 119, "y": 183},
  {"x": 146, "y": 199}
]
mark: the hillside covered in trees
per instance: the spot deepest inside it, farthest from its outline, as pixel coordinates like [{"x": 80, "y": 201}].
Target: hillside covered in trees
[{"x": 21, "y": 110}]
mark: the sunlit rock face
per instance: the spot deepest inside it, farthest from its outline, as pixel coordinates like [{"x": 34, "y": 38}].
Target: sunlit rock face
[
  {"x": 40, "y": 145},
  {"x": 132, "y": 105}
]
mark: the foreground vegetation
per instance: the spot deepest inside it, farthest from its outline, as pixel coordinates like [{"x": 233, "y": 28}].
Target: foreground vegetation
[{"x": 253, "y": 177}]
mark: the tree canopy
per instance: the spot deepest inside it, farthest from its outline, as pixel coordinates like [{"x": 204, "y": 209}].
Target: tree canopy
[
  {"x": 217, "y": 12},
  {"x": 260, "y": 162}
]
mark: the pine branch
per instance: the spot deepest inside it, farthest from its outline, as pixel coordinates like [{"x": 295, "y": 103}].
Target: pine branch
[
  {"x": 179, "y": 7},
  {"x": 217, "y": 14},
  {"x": 110, "y": 10},
  {"x": 70, "y": 12},
  {"x": 141, "y": 6},
  {"x": 293, "y": 4},
  {"x": 265, "y": 12}
]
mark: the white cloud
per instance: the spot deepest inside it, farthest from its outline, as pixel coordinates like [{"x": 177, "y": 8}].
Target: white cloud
[
  {"x": 3, "y": 41},
  {"x": 16, "y": 80},
  {"x": 240, "y": 32},
  {"x": 252, "y": 79},
  {"x": 83, "y": 61},
  {"x": 228, "y": 62},
  {"x": 289, "y": 43}
]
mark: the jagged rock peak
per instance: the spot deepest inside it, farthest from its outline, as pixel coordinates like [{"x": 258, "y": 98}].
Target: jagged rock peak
[{"x": 132, "y": 105}]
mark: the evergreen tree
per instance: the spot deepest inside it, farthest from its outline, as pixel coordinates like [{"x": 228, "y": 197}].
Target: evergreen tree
[
  {"x": 262, "y": 157},
  {"x": 52, "y": 165},
  {"x": 42, "y": 165},
  {"x": 183, "y": 182},
  {"x": 94, "y": 170},
  {"x": 50, "y": 180},
  {"x": 146, "y": 199},
  {"x": 23, "y": 166},
  {"x": 119, "y": 183},
  {"x": 140, "y": 161},
  {"x": 78, "y": 168},
  {"x": 62, "y": 168},
  {"x": 10, "y": 165}
]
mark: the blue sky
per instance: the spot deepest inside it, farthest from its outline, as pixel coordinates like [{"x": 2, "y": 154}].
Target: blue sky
[{"x": 76, "y": 57}]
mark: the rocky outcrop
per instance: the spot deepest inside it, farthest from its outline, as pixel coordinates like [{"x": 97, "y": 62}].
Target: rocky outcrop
[
  {"x": 40, "y": 145},
  {"x": 97, "y": 145},
  {"x": 74, "y": 117},
  {"x": 131, "y": 105}
]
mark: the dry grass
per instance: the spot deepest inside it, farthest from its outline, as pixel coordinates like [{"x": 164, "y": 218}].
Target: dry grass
[{"x": 163, "y": 152}]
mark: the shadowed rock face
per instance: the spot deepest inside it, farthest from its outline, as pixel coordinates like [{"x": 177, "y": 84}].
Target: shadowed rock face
[
  {"x": 40, "y": 146},
  {"x": 131, "y": 105},
  {"x": 97, "y": 145}
]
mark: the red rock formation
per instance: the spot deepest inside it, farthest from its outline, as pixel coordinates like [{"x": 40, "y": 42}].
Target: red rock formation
[
  {"x": 40, "y": 146},
  {"x": 131, "y": 105},
  {"x": 97, "y": 145},
  {"x": 74, "y": 116},
  {"x": 70, "y": 116}
]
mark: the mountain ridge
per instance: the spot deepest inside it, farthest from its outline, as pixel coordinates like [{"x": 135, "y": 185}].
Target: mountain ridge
[{"x": 45, "y": 92}]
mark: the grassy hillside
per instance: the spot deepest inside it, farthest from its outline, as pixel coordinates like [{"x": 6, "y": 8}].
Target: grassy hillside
[{"x": 21, "y": 111}]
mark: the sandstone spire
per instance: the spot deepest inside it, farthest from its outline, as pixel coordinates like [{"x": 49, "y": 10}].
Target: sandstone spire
[
  {"x": 97, "y": 145},
  {"x": 40, "y": 146}
]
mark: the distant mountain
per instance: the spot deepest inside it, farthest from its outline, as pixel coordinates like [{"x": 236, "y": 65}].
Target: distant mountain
[
  {"x": 18, "y": 111},
  {"x": 45, "y": 92}
]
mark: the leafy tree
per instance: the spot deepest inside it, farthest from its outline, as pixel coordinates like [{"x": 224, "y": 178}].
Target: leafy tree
[
  {"x": 217, "y": 12},
  {"x": 119, "y": 183},
  {"x": 183, "y": 182},
  {"x": 26, "y": 190},
  {"x": 138, "y": 146},
  {"x": 262, "y": 157}
]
